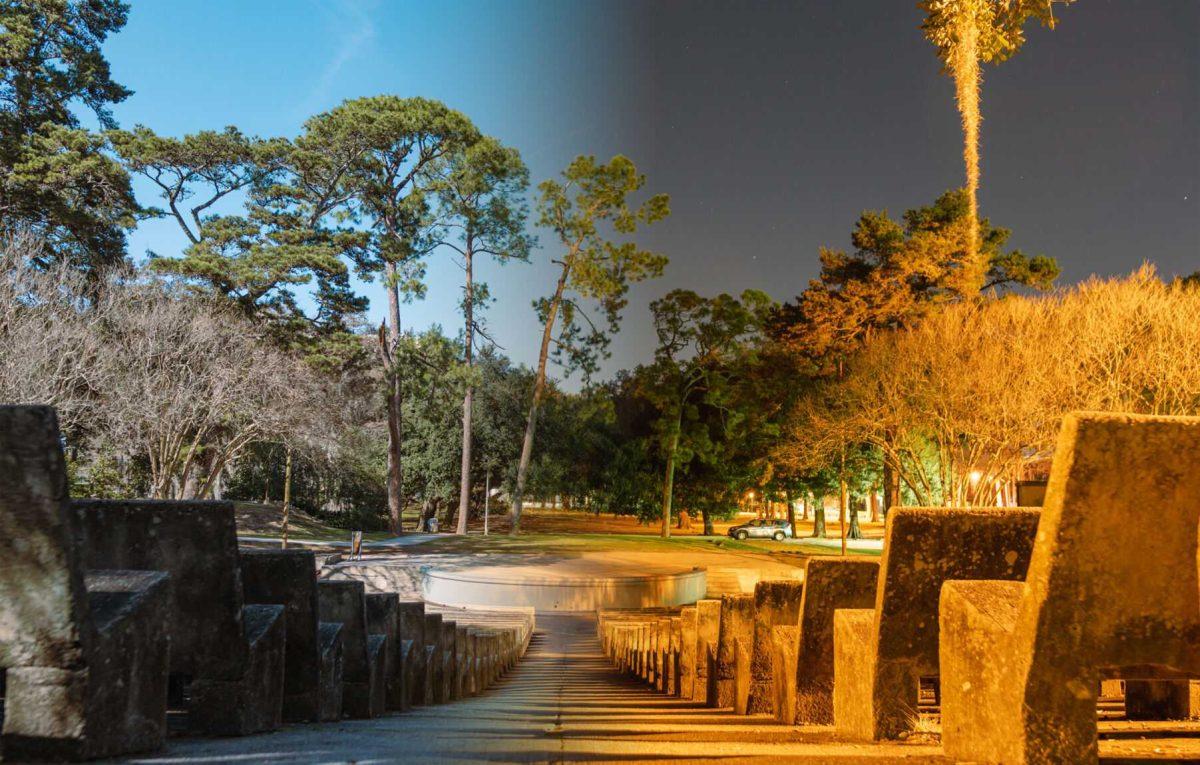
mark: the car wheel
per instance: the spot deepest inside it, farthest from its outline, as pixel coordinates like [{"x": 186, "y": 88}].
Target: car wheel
[
  {"x": 779, "y": 535},
  {"x": 741, "y": 535}
]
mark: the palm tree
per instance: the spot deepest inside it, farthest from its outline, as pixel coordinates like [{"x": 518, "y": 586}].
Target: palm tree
[{"x": 966, "y": 33}]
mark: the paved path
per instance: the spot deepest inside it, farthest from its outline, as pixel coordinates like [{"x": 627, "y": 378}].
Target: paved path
[{"x": 562, "y": 703}]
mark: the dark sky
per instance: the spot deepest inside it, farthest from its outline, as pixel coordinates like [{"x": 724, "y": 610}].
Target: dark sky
[{"x": 772, "y": 125}]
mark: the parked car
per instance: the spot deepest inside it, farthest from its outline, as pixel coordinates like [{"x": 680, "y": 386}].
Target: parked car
[{"x": 777, "y": 530}]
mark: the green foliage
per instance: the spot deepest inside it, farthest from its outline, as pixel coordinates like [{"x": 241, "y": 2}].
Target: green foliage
[
  {"x": 381, "y": 155},
  {"x": 1000, "y": 24},
  {"x": 590, "y": 213},
  {"x": 899, "y": 271},
  {"x": 55, "y": 178}
]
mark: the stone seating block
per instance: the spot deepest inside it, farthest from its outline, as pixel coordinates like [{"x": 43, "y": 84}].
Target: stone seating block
[
  {"x": 377, "y": 655},
  {"x": 737, "y": 621},
  {"x": 254, "y": 702},
  {"x": 108, "y": 704},
  {"x": 673, "y": 652},
  {"x": 434, "y": 659},
  {"x": 289, "y": 578},
  {"x": 708, "y": 630},
  {"x": 785, "y": 646},
  {"x": 1022, "y": 662},
  {"x": 383, "y": 618},
  {"x": 344, "y": 601},
  {"x": 412, "y": 629},
  {"x": 447, "y": 647},
  {"x": 830, "y": 583},
  {"x": 687, "y": 651},
  {"x": 196, "y": 541},
  {"x": 742, "y": 653},
  {"x": 776, "y": 603},
  {"x": 330, "y": 650},
  {"x": 84, "y": 654},
  {"x": 884, "y": 652},
  {"x": 462, "y": 662}
]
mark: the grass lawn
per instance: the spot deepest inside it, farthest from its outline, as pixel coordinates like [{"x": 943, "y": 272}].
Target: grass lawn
[{"x": 547, "y": 531}]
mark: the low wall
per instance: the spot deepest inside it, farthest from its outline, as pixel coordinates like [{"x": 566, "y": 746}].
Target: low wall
[{"x": 564, "y": 593}]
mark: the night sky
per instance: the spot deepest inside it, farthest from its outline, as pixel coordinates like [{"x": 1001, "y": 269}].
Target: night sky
[{"x": 771, "y": 125}]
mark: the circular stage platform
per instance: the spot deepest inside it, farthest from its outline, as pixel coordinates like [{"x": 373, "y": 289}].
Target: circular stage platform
[{"x": 554, "y": 591}]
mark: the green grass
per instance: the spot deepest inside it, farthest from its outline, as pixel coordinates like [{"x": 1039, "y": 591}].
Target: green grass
[{"x": 575, "y": 543}]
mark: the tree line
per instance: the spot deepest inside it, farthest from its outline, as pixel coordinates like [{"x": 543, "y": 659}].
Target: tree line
[{"x": 915, "y": 366}]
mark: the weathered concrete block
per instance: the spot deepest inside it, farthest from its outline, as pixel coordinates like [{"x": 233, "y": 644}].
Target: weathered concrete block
[
  {"x": 1162, "y": 699},
  {"x": 289, "y": 578},
  {"x": 776, "y": 603},
  {"x": 68, "y": 642},
  {"x": 785, "y": 648},
  {"x": 829, "y": 584},
  {"x": 435, "y": 664},
  {"x": 383, "y": 618},
  {"x": 377, "y": 653},
  {"x": 673, "y": 654},
  {"x": 197, "y": 543},
  {"x": 344, "y": 601},
  {"x": 708, "y": 631},
  {"x": 743, "y": 650},
  {"x": 254, "y": 702},
  {"x": 447, "y": 647},
  {"x": 412, "y": 629},
  {"x": 1021, "y": 662},
  {"x": 330, "y": 651},
  {"x": 923, "y": 548},
  {"x": 737, "y": 621},
  {"x": 687, "y": 651}
]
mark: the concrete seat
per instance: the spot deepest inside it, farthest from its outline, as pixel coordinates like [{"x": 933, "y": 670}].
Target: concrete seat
[
  {"x": 830, "y": 583},
  {"x": 412, "y": 632},
  {"x": 330, "y": 650},
  {"x": 363, "y": 687},
  {"x": 229, "y": 668},
  {"x": 1022, "y": 662},
  {"x": 708, "y": 632},
  {"x": 289, "y": 578},
  {"x": 383, "y": 617},
  {"x": 776, "y": 604},
  {"x": 85, "y": 655},
  {"x": 881, "y": 654},
  {"x": 737, "y": 621}
]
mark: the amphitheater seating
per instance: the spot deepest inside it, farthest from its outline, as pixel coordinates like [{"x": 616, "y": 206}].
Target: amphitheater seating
[
  {"x": 85, "y": 653},
  {"x": 226, "y": 656},
  {"x": 776, "y": 603},
  {"x": 1022, "y": 661},
  {"x": 881, "y": 654}
]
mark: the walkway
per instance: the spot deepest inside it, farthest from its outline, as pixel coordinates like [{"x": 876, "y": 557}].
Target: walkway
[{"x": 562, "y": 703}]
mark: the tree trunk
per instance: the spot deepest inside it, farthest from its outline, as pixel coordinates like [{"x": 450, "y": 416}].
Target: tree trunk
[
  {"x": 395, "y": 402},
  {"x": 464, "y": 489},
  {"x": 891, "y": 487},
  {"x": 819, "y": 519},
  {"x": 539, "y": 385},
  {"x": 287, "y": 495},
  {"x": 791, "y": 510},
  {"x": 842, "y": 510},
  {"x": 855, "y": 532},
  {"x": 965, "y": 68},
  {"x": 708, "y": 526},
  {"x": 669, "y": 477}
]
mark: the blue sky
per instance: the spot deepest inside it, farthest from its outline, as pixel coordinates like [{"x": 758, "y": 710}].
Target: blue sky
[
  {"x": 536, "y": 75},
  {"x": 772, "y": 124}
]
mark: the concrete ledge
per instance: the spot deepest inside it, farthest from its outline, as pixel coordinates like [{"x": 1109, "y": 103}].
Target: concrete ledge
[{"x": 464, "y": 588}]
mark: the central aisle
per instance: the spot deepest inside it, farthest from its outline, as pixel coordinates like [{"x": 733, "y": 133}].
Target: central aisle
[{"x": 563, "y": 703}]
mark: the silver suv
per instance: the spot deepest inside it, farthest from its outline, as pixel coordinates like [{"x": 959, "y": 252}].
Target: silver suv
[{"x": 777, "y": 530}]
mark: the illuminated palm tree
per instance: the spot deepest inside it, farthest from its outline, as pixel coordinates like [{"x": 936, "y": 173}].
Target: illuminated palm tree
[{"x": 966, "y": 33}]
